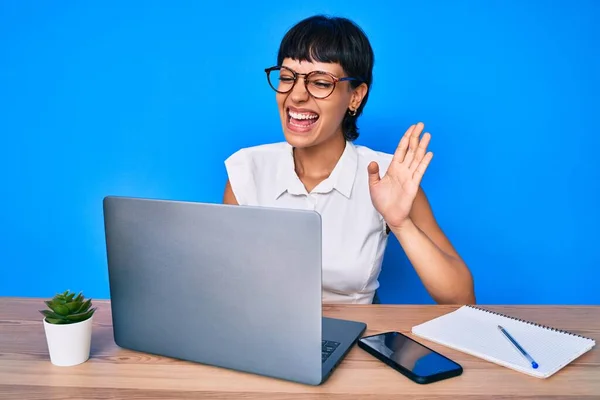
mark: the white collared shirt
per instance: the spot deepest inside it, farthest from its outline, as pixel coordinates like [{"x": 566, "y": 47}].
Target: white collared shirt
[{"x": 354, "y": 233}]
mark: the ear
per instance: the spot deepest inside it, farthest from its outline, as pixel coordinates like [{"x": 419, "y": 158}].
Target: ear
[{"x": 358, "y": 94}]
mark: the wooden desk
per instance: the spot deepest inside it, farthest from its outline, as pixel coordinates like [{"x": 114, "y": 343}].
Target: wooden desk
[{"x": 115, "y": 373}]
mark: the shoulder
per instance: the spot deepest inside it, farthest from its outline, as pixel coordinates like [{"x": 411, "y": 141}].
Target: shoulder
[
  {"x": 366, "y": 155},
  {"x": 260, "y": 153},
  {"x": 268, "y": 148},
  {"x": 251, "y": 168}
]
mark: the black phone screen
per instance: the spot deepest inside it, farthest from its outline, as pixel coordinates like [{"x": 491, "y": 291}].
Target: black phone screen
[{"x": 418, "y": 359}]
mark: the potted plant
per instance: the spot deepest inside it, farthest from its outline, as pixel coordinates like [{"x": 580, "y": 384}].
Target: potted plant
[{"x": 68, "y": 328}]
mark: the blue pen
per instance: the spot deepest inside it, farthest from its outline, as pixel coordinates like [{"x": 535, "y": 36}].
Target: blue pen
[{"x": 518, "y": 346}]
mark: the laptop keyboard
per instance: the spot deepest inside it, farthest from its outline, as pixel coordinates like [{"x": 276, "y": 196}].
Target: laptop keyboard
[{"x": 327, "y": 348}]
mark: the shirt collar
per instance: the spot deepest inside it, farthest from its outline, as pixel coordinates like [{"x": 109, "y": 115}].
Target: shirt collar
[{"x": 341, "y": 178}]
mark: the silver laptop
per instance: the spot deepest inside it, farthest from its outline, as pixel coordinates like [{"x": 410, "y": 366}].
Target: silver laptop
[{"x": 236, "y": 287}]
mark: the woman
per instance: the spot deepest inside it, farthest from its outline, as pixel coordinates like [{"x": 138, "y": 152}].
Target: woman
[{"x": 322, "y": 80}]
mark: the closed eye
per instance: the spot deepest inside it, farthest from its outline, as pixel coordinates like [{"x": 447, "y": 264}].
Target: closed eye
[{"x": 322, "y": 84}]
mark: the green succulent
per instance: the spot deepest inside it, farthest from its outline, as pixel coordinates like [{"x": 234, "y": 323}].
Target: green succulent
[{"x": 66, "y": 308}]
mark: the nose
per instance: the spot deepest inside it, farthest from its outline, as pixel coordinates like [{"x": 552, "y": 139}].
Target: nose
[{"x": 299, "y": 93}]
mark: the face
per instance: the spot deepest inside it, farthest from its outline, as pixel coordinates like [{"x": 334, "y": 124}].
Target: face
[{"x": 308, "y": 121}]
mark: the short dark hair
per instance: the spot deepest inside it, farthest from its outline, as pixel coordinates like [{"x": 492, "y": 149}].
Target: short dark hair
[{"x": 333, "y": 40}]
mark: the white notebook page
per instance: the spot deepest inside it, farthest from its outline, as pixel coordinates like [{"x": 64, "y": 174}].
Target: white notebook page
[{"x": 475, "y": 331}]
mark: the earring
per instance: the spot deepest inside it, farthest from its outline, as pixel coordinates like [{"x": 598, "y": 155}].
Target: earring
[{"x": 352, "y": 112}]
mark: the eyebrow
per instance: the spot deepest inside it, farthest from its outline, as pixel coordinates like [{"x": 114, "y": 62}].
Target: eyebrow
[{"x": 315, "y": 70}]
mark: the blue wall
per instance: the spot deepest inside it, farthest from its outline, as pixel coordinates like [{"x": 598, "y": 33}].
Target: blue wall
[{"x": 148, "y": 99}]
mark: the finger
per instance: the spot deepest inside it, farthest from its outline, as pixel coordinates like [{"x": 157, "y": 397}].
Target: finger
[
  {"x": 401, "y": 149},
  {"x": 409, "y": 130},
  {"x": 413, "y": 143},
  {"x": 421, "y": 150},
  {"x": 373, "y": 170},
  {"x": 418, "y": 174}
]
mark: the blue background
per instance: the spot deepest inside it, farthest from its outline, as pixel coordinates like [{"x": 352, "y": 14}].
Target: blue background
[{"x": 148, "y": 98}]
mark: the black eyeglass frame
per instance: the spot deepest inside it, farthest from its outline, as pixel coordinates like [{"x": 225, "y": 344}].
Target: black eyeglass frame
[{"x": 297, "y": 74}]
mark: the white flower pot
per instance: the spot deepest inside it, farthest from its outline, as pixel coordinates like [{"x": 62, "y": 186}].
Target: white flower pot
[{"x": 69, "y": 344}]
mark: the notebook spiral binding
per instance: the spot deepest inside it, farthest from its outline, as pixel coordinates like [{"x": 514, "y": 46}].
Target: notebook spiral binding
[{"x": 528, "y": 322}]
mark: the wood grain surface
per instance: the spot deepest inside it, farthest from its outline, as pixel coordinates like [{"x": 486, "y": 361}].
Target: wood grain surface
[{"x": 115, "y": 373}]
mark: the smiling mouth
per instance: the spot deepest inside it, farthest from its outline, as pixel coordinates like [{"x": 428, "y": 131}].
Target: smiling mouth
[{"x": 301, "y": 120}]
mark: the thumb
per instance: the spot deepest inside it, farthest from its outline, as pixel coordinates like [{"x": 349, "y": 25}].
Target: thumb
[{"x": 373, "y": 170}]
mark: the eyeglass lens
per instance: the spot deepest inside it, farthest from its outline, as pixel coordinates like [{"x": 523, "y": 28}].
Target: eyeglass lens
[{"x": 318, "y": 84}]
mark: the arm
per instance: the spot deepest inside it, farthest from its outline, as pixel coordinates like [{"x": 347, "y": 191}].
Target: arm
[
  {"x": 228, "y": 196},
  {"x": 444, "y": 274},
  {"x": 400, "y": 200}
]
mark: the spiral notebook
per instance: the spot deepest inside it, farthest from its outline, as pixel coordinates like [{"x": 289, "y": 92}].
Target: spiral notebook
[{"x": 474, "y": 331}]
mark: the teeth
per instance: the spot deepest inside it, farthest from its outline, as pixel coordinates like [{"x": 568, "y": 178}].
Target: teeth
[{"x": 303, "y": 116}]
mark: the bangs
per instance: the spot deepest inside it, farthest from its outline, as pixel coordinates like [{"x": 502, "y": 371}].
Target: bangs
[{"x": 317, "y": 41}]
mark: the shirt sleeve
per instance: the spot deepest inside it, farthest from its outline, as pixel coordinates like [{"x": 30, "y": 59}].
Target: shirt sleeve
[{"x": 240, "y": 173}]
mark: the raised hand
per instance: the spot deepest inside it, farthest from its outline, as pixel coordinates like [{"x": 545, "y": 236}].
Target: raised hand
[{"x": 393, "y": 194}]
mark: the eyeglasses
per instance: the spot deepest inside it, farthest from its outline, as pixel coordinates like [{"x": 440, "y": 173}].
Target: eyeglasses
[{"x": 319, "y": 84}]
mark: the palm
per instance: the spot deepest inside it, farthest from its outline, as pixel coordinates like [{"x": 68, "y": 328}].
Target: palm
[{"x": 394, "y": 193}]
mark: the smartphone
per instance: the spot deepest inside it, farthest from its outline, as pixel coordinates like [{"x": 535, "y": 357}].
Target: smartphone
[{"x": 409, "y": 357}]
